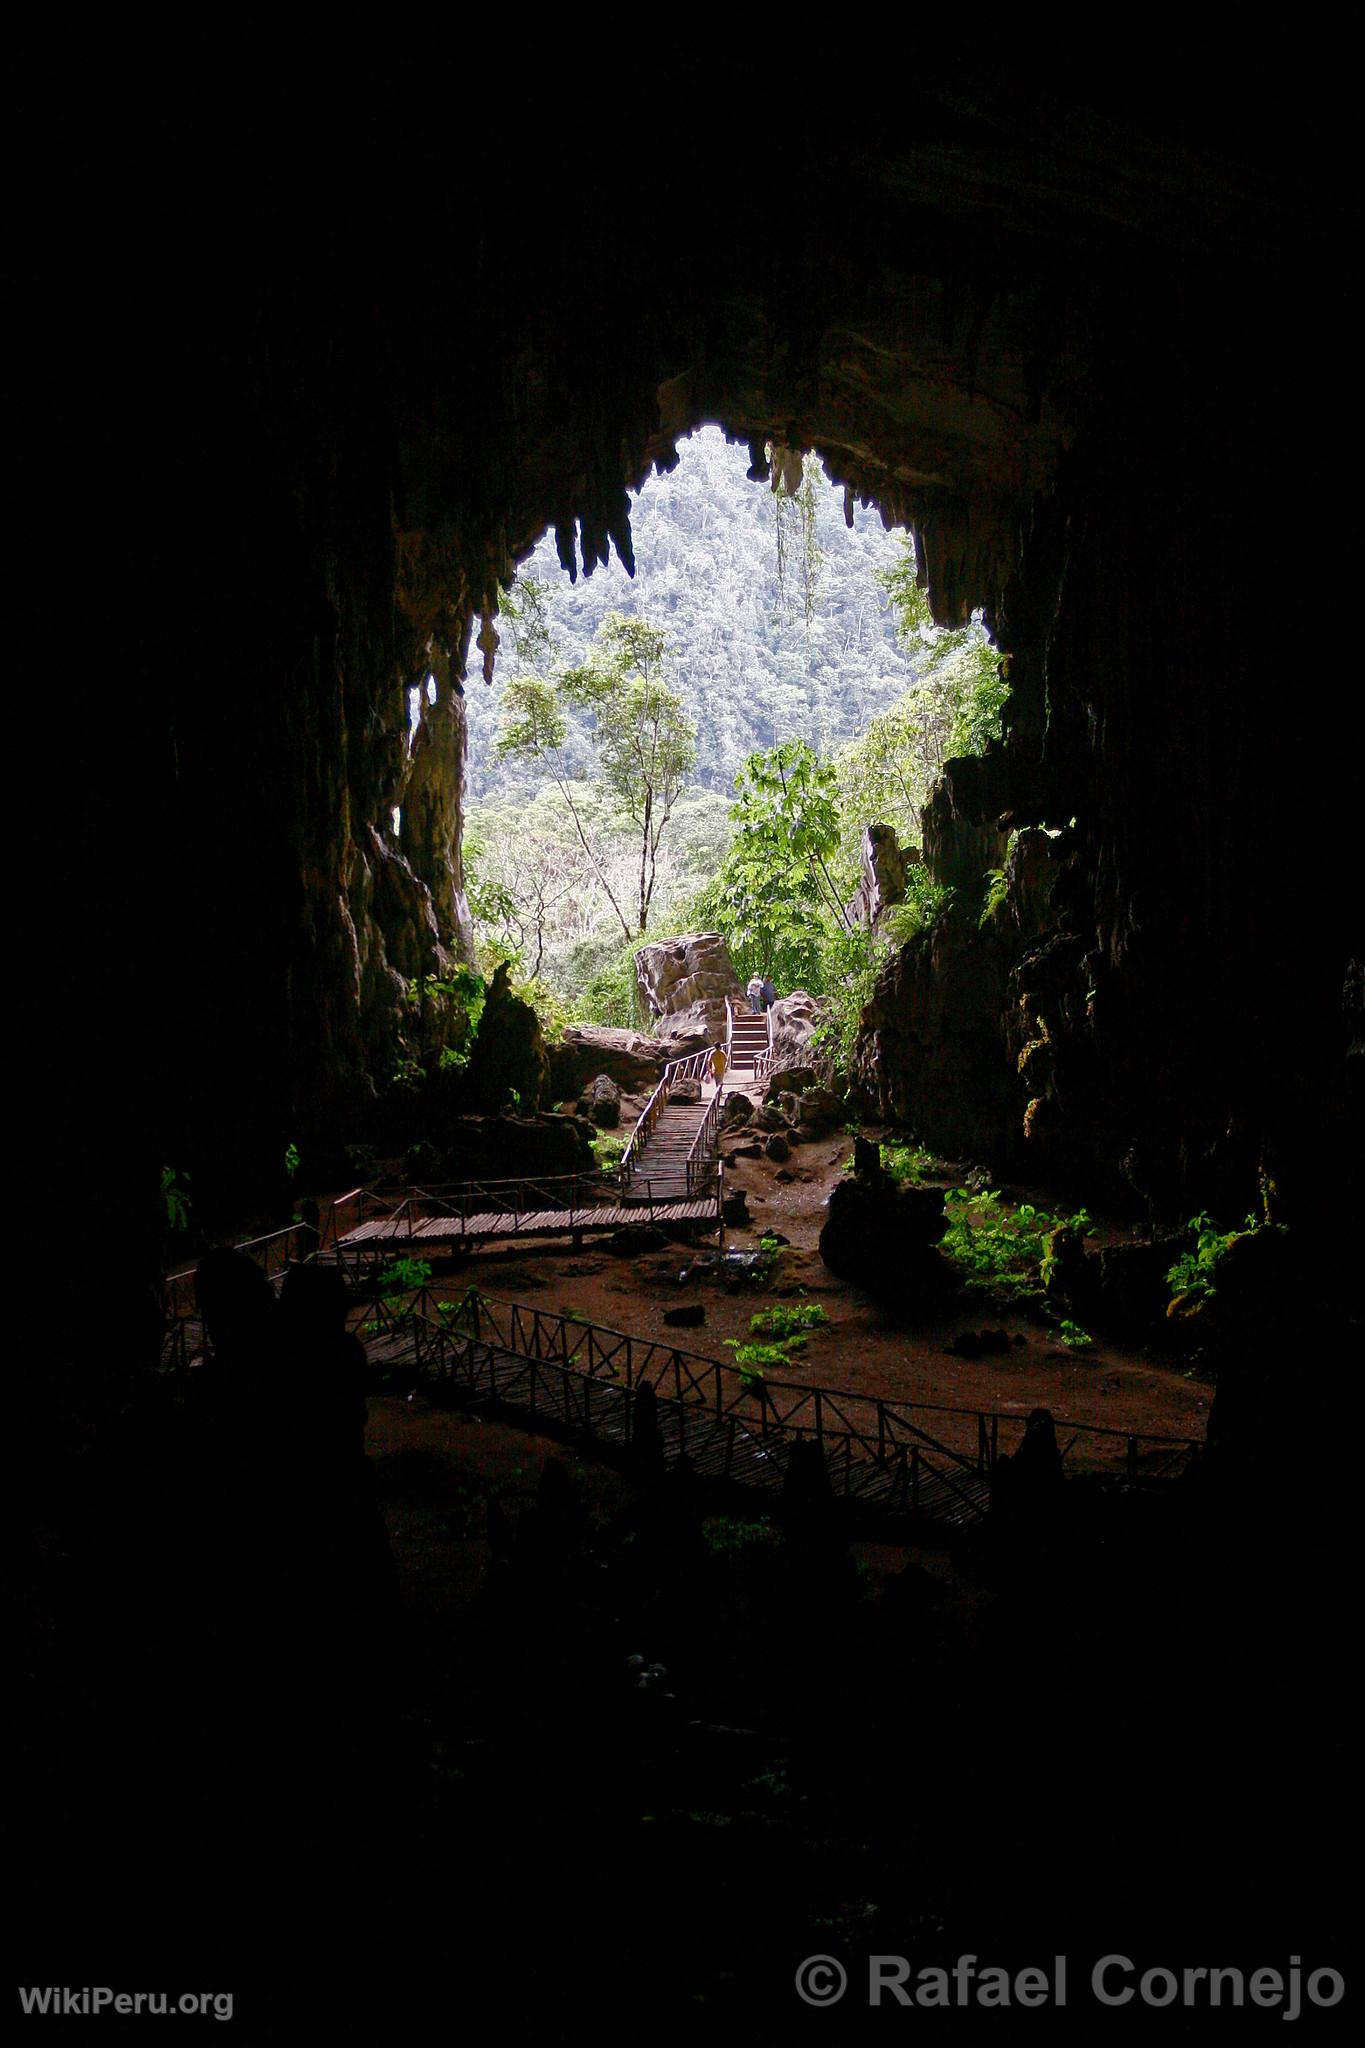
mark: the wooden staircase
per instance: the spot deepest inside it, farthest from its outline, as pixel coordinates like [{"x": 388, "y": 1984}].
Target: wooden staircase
[{"x": 748, "y": 1038}]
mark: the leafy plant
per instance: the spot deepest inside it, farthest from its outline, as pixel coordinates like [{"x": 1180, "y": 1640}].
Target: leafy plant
[
  {"x": 175, "y": 1195},
  {"x": 403, "y": 1275},
  {"x": 608, "y": 1150},
  {"x": 291, "y": 1159},
  {"x": 754, "y": 1360},
  {"x": 1195, "y": 1272},
  {"x": 786, "y": 1319},
  {"x": 998, "y": 1251},
  {"x": 1074, "y": 1337},
  {"x": 726, "y": 1534}
]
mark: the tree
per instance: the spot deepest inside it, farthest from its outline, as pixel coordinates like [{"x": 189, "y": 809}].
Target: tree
[
  {"x": 782, "y": 887},
  {"x": 643, "y": 739},
  {"x": 954, "y": 708}
]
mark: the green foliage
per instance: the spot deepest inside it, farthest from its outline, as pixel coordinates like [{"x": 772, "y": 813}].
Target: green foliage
[
  {"x": 996, "y": 891},
  {"x": 644, "y": 742},
  {"x": 787, "y": 1319},
  {"x": 754, "y": 1360},
  {"x": 291, "y": 1160},
  {"x": 362, "y": 1160},
  {"x": 1195, "y": 1272},
  {"x": 402, "y": 1276},
  {"x": 608, "y": 1149},
  {"x": 999, "y": 1251},
  {"x": 447, "y": 1010},
  {"x": 727, "y": 1535},
  {"x": 610, "y": 994},
  {"x": 1074, "y": 1337},
  {"x": 908, "y": 1162},
  {"x": 781, "y": 888},
  {"x": 175, "y": 1196}
]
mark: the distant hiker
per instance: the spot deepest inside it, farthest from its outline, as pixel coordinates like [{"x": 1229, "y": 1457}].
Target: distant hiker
[
  {"x": 769, "y": 994},
  {"x": 718, "y": 1065},
  {"x": 754, "y": 991}
]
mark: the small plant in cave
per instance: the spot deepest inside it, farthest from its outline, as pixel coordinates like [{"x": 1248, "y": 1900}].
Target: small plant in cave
[
  {"x": 1074, "y": 1337},
  {"x": 403, "y": 1276},
  {"x": 175, "y": 1196},
  {"x": 726, "y": 1535},
  {"x": 291, "y": 1160},
  {"x": 608, "y": 1151},
  {"x": 786, "y": 1319},
  {"x": 999, "y": 1251},
  {"x": 1194, "y": 1276},
  {"x": 754, "y": 1360}
]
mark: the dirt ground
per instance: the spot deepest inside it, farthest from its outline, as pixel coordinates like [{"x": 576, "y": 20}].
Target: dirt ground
[{"x": 866, "y": 1350}]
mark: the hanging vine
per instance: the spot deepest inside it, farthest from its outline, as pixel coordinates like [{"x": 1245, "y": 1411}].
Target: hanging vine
[{"x": 795, "y": 478}]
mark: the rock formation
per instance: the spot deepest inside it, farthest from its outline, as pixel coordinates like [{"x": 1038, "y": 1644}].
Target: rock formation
[
  {"x": 884, "y": 863},
  {"x": 584, "y": 1050},
  {"x": 1083, "y": 347},
  {"x": 683, "y": 985}
]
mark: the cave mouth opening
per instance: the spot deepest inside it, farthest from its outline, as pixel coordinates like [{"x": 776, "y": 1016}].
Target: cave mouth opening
[{"x": 789, "y": 630}]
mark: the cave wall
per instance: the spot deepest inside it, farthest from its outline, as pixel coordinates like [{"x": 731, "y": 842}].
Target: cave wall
[{"x": 357, "y": 372}]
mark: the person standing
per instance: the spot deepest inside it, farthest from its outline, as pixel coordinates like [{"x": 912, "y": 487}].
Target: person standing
[
  {"x": 754, "y": 991},
  {"x": 718, "y": 1065},
  {"x": 769, "y": 993}
]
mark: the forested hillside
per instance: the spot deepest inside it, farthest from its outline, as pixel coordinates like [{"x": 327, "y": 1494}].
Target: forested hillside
[
  {"x": 704, "y": 744},
  {"x": 753, "y": 669}
]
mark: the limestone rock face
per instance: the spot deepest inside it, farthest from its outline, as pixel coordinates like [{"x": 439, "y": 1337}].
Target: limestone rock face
[
  {"x": 882, "y": 1237},
  {"x": 683, "y": 985},
  {"x": 584, "y": 1050},
  {"x": 795, "y": 1018},
  {"x": 508, "y": 1053},
  {"x": 885, "y": 863}
]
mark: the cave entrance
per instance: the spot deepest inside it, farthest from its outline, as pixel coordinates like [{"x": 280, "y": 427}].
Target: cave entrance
[{"x": 739, "y": 737}]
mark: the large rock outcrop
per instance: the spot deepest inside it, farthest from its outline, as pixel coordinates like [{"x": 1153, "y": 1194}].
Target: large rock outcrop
[
  {"x": 683, "y": 985},
  {"x": 585, "y": 1050},
  {"x": 884, "y": 864},
  {"x": 1079, "y": 348},
  {"x": 795, "y": 1020}
]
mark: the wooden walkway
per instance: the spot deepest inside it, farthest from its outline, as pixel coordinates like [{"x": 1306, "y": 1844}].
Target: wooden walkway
[
  {"x": 581, "y": 1382},
  {"x": 391, "y": 1233}
]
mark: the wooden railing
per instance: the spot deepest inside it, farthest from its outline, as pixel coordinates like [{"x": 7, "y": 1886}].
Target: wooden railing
[
  {"x": 763, "y": 1061},
  {"x": 695, "y": 1067},
  {"x": 850, "y": 1427}
]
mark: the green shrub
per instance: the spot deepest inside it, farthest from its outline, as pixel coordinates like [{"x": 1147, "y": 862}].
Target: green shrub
[
  {"x": 787, "y": 1319},
  {"x": 402, "y": 1275},
  {"x": 1000, "y": 1252},
  {"x": 1195, "y": 1272}
]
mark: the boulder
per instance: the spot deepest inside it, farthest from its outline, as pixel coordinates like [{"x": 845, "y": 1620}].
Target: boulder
[
  {"x": 883, "y": 1237},
  {"x": 508, "y": 1147},
  {"x": 737, "y": 1110},
  {"x": 508, "y": 1059},
  {"x": 884, "y": 863},
  {"x": 777, "y": 1148},
  {"x": 790, "y": 1083},
  {"x": 683, "y": 985},
  {"x": 819, "y": 1110},
  {"x": 633, "y": 1061},
  {"x": 794, "y": 1021},
  {"x": 604, "y": 1103}
]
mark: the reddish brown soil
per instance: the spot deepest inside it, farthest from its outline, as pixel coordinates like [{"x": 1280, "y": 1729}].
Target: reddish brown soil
[{"x": 866, "y": 1350}]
